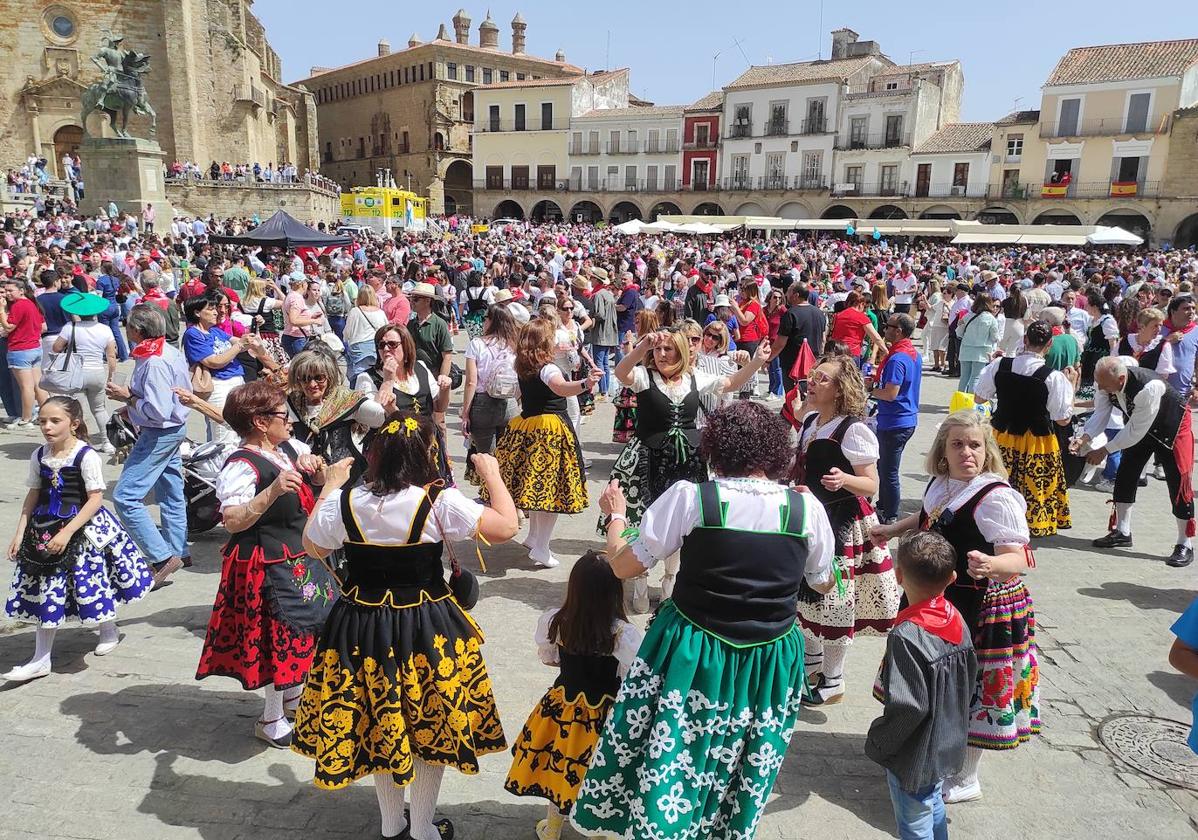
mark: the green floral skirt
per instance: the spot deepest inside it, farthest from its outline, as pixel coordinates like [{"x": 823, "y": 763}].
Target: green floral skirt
[{"x": 696, "y": 738}]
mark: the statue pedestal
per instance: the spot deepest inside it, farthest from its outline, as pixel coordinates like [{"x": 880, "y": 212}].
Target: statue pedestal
[{"x": 128, "y": 171}]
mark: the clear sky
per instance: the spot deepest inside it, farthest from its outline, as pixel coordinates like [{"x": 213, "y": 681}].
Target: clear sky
[{"x": 1007, "y": 48}]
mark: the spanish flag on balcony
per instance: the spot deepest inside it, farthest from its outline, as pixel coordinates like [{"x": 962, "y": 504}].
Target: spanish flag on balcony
[
  {"x": 1123, "y": 188},
  {"x": 1054, "y": 190}
]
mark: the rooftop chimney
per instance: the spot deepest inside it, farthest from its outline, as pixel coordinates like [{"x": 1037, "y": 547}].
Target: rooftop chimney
[
  {"x": 519, "y": 27},
  {"x": 461, "y": 27},
  {"x": 841, "y": 38},
  {"x": 384, "y": 46},
  {"x": 560, "y": 57},
  {"x": 488, "y": 33},
  {"x": 414, "y": 41},
  {"x": 442, "y": 33}
]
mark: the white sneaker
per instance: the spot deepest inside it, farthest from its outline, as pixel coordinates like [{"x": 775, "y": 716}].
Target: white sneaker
[
  {"x": 547, "y": 562},
  {"x": 28, "y": 671},
  {"x": 105, "y": 647},
  {"x": 1159, "y": 473},
  {"x": 1104, "y": 486},
  {"x": 967, "y": 792}
]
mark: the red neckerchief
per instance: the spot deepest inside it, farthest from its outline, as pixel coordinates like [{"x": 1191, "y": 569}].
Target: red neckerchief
[
  {"x": 937, "y": 616},
  {"x": 148, "y": 347},
  {"x": 903, "y": 345},
  {"x": 1183, "y": 330}
]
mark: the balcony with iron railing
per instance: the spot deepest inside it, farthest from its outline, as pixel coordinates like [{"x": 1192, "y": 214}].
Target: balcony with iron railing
[
  {"x": 501, "y": 126},
  {"x": 1104, "y": 127},
  {"x": 773, "y": 183},
  {"x": 740, "y": 131},
  {"x": 646, "y": 147},
  {"x": 947, "y": 190},
  {"x": 867, "y": 142},
  {"x": 695, "y": 145},
  {"x": 647, "y": 185},
  {"x": 815, "y": 125},
  {"x": 871, "y": 189},
  {"x": 777, "y": 128}
]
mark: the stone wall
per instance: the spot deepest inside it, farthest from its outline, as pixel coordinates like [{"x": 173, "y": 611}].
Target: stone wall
[
  {"x": 1181, "y": 171},
  {"x": 214, "y": 80},
  {"x": 232, "y": 200}
]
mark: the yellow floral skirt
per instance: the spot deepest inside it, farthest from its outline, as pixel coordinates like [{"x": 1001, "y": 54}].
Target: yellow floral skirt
[
  {"x": 551, "y": 756},
  {"x": 390, "y": 684},
  {"x": 541, "y": 464},
  {"x": 1038, "y": 474}
]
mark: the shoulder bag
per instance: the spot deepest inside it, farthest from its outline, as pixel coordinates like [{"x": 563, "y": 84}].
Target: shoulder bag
[{"x": 64, "y": 373}]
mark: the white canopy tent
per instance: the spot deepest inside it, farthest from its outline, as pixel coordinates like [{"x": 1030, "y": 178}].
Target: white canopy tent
[
  {"x": 630, "y": 228},
  {"x": 1075, "y": 235}
]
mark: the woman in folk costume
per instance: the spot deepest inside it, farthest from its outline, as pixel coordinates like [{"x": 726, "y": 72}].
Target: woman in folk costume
[
  {"x": 971, "y": 505},
  {"x": 704, "y": 716},
  {"x": 624, "y": 426},
  {"x": 1031, "y": 399},
  {"x": 838, "y": 462},
  {"x": 668, "y": 391},
  {"x": 538, "y": 453},
  {"x": 272, "y": 598},
  {"x": 330, "y": 418}
]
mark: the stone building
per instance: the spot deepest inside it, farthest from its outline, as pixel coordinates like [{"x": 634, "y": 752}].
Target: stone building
[
  {"x": 215, "y": 82},
  {"x": 411, "y": 111}
]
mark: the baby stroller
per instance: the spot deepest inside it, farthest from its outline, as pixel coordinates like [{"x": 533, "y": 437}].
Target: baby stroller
[{"x": 202, "y": 464}]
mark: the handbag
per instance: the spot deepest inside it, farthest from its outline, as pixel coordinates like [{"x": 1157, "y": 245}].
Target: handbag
[
  {"x": 201, "y": 381},
  {"x": 456, "y": 376},
  {"x": 64, "y": 373},
  {"x": 462, "y": 582}
]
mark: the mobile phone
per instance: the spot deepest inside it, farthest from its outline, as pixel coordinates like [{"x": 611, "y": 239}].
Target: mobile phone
[{"x": 803, "y": 389}]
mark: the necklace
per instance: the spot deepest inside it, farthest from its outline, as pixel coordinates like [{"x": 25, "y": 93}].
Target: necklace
[{"x": 816, "y": 429}]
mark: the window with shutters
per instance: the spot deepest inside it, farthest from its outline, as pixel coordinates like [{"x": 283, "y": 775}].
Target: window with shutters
[
  {"x": 651, "y": 177},
  {"x": 519, "y": 177},
  {"x": 1137, "y": 112},
  {"x": 520, "y": 117},
  {"x": 630, "y": 177},
  {"x": 960, "y": 174},
  {"x": 613, "y": 142},
  {"x": 671, "y": 178},
  {"x": 546, "y": 116}
]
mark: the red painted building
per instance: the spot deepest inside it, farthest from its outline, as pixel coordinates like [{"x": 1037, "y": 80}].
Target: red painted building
[{"x": 701, "y": 142}]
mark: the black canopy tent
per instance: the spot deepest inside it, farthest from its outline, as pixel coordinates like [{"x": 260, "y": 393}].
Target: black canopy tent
[{"x": 283, "y": 230}]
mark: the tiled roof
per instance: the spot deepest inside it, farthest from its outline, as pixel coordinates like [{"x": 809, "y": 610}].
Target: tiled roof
[
  {"x": 449, "y": 45},
  {"x": 1020, "y": 118},
  {"x": 634, "y": 112},
  {"x": 711, "y": 102},
  {"x": 802, "y": 72},
  {"x": 957, "y": 137},
  {"x": 921, "y": 67},
  {"x": 598, "y": 75},
  {"x": 1118, "y": 62}
]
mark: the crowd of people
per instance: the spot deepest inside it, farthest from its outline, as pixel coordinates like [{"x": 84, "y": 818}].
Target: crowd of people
[
  {"x": 249, "y": 173},
  {"x": 764, "y": 391}
]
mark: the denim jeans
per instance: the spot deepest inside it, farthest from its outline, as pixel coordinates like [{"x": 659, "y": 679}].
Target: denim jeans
[
  {"x": 775, "y": 371},
  {"x": 131, "y": 301},
  {"x": 890, "y": 445},
  {"x": 920, "y": 815},
  {"x": 602, "y": 355},
  {"x": 615, "y": 383},
  {"x": 337, "y": 323},
  {"x": 154, "y": 464},
  {"x": 293, "y": 344},
  {"x": 358, "y": 357},
  {"x": 488, "y": 418},
  {"x": 112, "y": 317},
  {"x": 970, "y": 371}
]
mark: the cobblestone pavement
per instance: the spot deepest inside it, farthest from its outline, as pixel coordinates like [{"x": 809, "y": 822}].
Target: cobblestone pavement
[{"x": 131, "y": 746}]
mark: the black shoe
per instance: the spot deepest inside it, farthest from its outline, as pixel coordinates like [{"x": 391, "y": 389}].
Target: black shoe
[
  {"x": 1143, "y": 482},
  {"x": 1115, "y": 539},
  {"x": 823, "y": 693},
  {"x": 1181, "y": 557}
]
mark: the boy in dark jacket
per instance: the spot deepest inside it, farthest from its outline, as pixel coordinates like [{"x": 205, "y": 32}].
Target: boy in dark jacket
[{"x": 925, "y": 683}]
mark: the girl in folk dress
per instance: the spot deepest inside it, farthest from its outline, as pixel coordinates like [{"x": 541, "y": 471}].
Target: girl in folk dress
[
  {"x": 73, "y": 558},
  {"x": 970, "y": 503},
  {"x": 590, "y": 640},
  {"x": 838, "y": 463}
]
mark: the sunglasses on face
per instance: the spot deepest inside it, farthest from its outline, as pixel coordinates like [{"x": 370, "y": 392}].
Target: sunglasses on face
[
  {"x": 282, "y": 414},
  {"x": 318, "y": 378},
  {"x": 711, "y": 335},
  {"x": 390, "y": 345}
]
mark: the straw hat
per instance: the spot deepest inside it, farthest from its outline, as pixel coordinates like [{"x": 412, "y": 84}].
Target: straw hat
[
  {"x": 598, "y": 273},
  {"x": 722, "y": 300},
  {"x": 423, "y": 290},
  {"x": 503, "y": 296}
]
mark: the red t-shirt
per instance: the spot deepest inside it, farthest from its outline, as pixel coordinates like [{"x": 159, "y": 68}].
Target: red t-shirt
[
  {"x": 758, "y": 328},
  {"x": 849, "y": 327},
  {"x": 27, "y": 320}
]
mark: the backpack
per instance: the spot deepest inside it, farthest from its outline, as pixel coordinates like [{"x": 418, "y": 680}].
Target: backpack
[{"x": 334, "y": 304}]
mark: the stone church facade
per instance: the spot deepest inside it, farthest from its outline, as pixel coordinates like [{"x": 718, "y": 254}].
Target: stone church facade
[{"x": 215, "y": 82}]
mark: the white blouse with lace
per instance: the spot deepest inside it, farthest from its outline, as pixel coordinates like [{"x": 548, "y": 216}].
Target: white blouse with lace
[
  {"x": 628, "y": 641},
  {"x": 1001, "y": 515}
]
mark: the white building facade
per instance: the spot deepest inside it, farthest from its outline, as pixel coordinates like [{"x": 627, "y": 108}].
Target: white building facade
[{"x": 633, "y": 149}]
